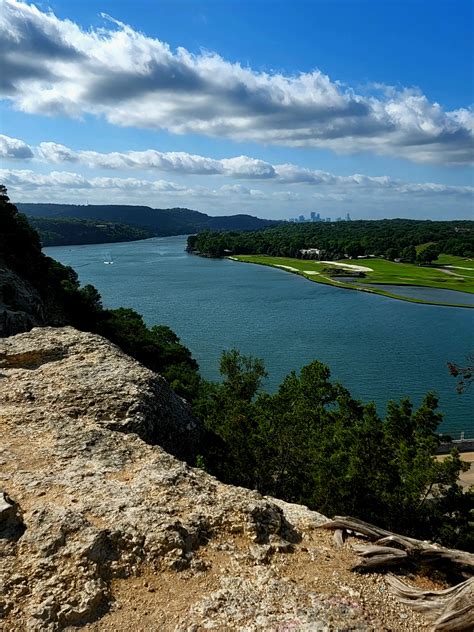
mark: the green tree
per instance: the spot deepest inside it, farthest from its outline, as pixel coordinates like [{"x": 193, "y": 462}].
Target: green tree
[
  {"x": 229, "y": 414},
  {"x": 428, "y": 254},
  {"x": 391, "y": 254},
  {"x": 408, "y": 254},
  {"x": 20, "y": 246},
  {"x": 243, "y": 375},
  {"x": 353, "y": 249}
]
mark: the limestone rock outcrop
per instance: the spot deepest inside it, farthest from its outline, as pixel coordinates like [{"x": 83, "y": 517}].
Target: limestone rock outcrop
[
  {"x": 89, "y": 378},
  {"x": 101, "y": 529}
]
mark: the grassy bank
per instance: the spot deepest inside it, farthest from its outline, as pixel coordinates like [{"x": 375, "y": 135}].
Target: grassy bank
[{"x": 451, "y": 273}]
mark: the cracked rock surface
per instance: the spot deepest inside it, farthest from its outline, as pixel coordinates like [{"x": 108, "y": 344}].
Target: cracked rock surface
[{"x": 102, "y": 530}]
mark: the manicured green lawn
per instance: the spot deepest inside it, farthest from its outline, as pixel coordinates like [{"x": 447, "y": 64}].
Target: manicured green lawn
[
  {"x": 381, "y": 272},
  {"x": 451, "y": 260},
  {"x": 388, "y": 272}
]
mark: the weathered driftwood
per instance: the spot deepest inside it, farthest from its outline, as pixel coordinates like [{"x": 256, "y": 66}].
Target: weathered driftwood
[
  {"x": 376, "y": 556},
  {"x": 339, "y": 537},
  {"x": 392, "y": 549},
  {"x": 451, "y": 610}
]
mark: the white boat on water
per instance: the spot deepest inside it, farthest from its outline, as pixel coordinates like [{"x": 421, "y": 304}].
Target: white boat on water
[{"x": 108, "y": 260}]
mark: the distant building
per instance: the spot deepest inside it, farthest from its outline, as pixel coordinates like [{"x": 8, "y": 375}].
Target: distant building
[
  {"x": 311, "y": 252},
  {"x": 348, "y": 218},
  {"x": 301, "y": 218},
  {"x": 328, "y": 219}
]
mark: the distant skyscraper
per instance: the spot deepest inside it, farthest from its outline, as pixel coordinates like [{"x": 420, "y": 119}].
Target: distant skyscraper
[
  {"x": 301, "y": 218},
  {"x": 348, "y": 217},
  {"x": 313, "y": 216}
]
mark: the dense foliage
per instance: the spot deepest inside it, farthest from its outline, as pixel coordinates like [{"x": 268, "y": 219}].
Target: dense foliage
[
  {"x": 397, "y": 238},
  {"x": 20, "y": 247},
  {"x": 312, "y": 443},
  {"x": 67, "y": 231},
  {"x": 169, "y": 221}
]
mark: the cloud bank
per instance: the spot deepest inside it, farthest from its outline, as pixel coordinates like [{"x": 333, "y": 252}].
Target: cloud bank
[
  {"x": 24, "y": 181},
  {"x": 51, "y": 66},
  {"x": 361, "y": 199},
  {"x": 184, "y": 164}
]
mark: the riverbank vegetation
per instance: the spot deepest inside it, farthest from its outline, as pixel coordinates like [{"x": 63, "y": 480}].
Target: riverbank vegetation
[
  {"x": 393, "y": 239},
  {"x": 310, "y": 442}
]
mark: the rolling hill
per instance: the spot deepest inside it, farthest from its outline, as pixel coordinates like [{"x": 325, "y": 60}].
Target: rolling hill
[{"x": 162, "y": 222}]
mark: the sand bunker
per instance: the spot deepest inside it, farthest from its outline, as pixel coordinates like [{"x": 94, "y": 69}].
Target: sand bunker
[
  {"x": 349, "y": 266},
  {"x": 287, "y": 268}
]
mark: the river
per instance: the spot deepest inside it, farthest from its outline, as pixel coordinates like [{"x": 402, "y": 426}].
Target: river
[{"x": 379, "y": 348}]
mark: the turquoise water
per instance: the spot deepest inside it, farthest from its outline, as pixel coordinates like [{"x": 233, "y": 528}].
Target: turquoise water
[{"x": 378, "y": 347}]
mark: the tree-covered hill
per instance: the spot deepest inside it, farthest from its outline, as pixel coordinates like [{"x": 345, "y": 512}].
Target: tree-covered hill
[
  {"x": 391, "y": 238},
  {"x": 63, "y": 231},
  {"x": 163, "y": 222}
]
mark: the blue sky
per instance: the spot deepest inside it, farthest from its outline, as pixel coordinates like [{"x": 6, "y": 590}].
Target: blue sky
[{"x": 272, "y": 108}]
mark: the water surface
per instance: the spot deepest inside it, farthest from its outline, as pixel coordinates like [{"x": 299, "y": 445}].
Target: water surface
[
  {"x": 378, "y": 347},
  {"x": 448, "y": 297}
]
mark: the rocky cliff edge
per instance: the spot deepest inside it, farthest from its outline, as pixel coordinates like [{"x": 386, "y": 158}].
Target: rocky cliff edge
[{"x": 103, "y": 530}]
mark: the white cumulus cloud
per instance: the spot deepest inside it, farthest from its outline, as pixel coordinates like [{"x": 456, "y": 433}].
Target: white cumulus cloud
[
  {"x": 12, "y": 148},
  {"x": 52, "y": 66}
]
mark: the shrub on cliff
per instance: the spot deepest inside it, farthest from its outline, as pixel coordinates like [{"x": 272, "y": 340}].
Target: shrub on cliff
[
  {"x": 20, "y": 246},
  {"x": 158, "y": 348}
]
